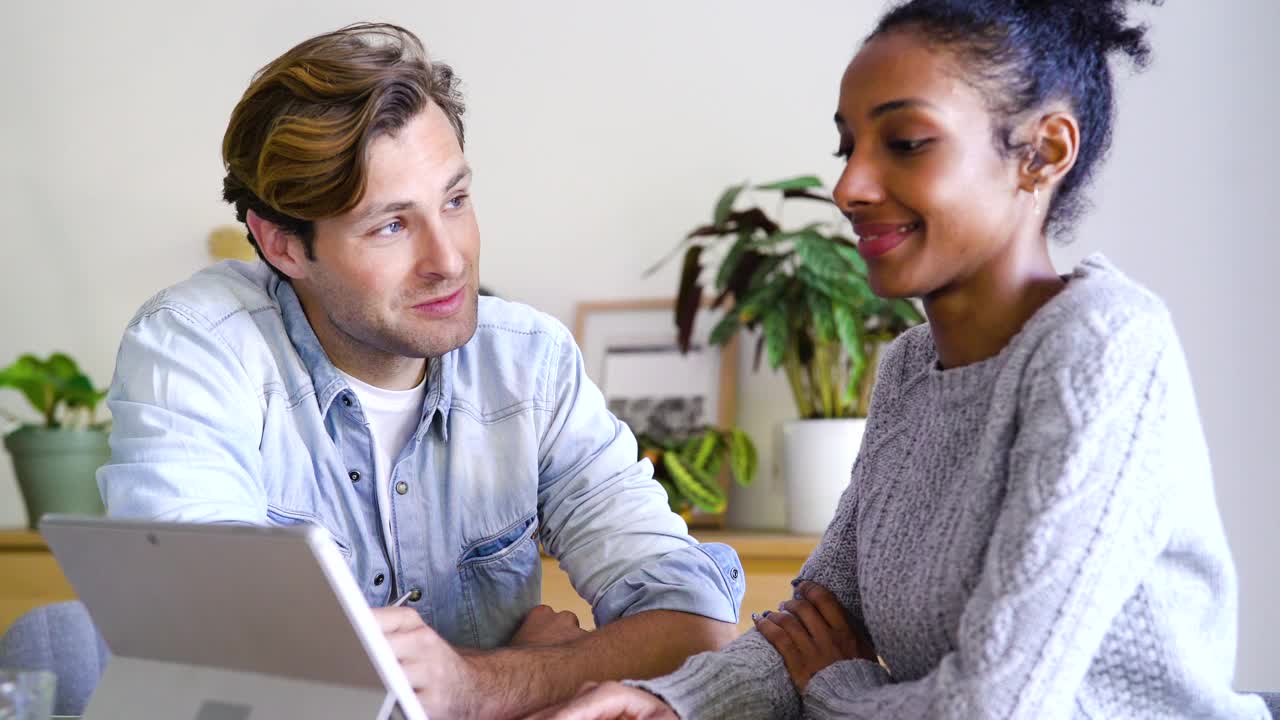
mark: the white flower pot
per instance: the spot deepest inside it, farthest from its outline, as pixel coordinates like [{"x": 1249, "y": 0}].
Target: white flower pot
[{"x": 817, "y": 460}]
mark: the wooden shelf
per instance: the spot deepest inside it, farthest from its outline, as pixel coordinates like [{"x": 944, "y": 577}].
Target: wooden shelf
[
  {"x": 749, "y": 544},
  {"x": 15, "y": 540},
  {"x": 762, "y": 545}
]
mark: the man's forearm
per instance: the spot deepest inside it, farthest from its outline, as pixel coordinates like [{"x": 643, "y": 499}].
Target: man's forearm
[{"x": 517, "y": 681}]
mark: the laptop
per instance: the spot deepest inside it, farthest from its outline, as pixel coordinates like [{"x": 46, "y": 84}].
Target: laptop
[{"x": 228, "y": 622}]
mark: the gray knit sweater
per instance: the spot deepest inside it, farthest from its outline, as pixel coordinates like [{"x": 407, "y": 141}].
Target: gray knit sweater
[{"x": 1032, "y": 536}]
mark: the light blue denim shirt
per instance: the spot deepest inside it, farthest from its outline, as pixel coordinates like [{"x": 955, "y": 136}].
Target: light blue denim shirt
[{"x": 226, "y": 409}]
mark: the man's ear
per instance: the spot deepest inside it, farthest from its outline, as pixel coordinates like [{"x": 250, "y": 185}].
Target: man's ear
[{"x": 283, "y": 249}]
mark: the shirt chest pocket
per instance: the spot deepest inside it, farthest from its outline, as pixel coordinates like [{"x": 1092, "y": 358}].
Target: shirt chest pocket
[{"x": 501, "y": 578}]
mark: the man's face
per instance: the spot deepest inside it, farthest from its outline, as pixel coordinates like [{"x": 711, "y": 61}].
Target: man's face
[{"x": 397, "y": 276}]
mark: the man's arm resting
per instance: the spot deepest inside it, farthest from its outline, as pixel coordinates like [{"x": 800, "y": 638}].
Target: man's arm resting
[{"x": 515, "y": 681}]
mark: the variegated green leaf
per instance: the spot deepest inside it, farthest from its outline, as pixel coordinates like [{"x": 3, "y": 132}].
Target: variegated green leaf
[
  {"x": 742, "y": 457},
  {"x": 694, "y": 486},
  {"x": 824, "y": 323},
  {"x": 851, "y": 341},
  {"x": 775, "y": 335}
]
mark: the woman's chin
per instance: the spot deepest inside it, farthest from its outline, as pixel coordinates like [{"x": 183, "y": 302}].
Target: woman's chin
[{"x": 890, "y": 285}]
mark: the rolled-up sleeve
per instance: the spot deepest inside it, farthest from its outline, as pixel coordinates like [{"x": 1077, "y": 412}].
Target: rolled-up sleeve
[
  {"x": 186, "y": 426},
  {"x": 607, "y": 520}
]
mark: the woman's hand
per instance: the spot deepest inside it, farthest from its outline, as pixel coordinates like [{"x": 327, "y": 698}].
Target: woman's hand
[
  {"x": 812, "y": 631},
  {"x": 609, "y": 701}
]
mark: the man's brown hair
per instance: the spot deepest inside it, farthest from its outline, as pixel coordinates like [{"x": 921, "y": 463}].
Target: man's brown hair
[{"x": 296, "y": 146}]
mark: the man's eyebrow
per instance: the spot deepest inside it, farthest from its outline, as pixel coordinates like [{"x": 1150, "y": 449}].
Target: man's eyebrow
[
  {"x": 390, "y": 207},
  {"x": 458, "y": 177}
]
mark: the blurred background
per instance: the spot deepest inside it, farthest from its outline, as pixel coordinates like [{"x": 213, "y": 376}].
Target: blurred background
[{"x": 600, "y": 133}]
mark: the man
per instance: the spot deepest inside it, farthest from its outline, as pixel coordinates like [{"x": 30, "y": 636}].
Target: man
[{"x": 356, "y": 381}]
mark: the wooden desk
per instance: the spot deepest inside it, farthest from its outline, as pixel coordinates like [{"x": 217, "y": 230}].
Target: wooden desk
[{"x": 29, "y": 575}]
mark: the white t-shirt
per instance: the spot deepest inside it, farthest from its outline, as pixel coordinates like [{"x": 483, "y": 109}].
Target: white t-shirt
[{"x": 393, "y": 415}]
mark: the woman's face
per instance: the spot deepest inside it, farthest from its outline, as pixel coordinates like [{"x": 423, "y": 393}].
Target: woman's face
[{"x": 931, "y": 199}]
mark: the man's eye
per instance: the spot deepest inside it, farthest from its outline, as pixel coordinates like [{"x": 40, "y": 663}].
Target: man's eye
[{"x": 391, "y": 228}]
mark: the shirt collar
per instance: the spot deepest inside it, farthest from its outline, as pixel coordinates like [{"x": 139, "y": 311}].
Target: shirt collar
[{"x": 328, "y": 381}]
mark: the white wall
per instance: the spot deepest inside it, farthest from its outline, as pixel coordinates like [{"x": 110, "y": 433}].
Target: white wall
[{"x": 600, "y": 132}]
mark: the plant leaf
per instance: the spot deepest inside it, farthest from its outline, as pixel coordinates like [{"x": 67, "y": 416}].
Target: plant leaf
[
  {"x": 824, "y": 323},
  {"x": 802, "y": 182},
  {"x": 819, "y": 255},
  {"x": 706, "y": 446},
  {"x": 851, "y": 341},
  {"x": 848, "y": 250},
  {"x": 730, "y": 263},
  {"x": 744, "y": 272},
  {"x": 27, "y": 375},
  {"x": 675, "y": 500},
  {"x": 724, "y": 330},
  {"x": 907, "y": 312},
  {"x": 742, "y": 457},
  {"x": 775, "y": 335},
  {"x": 689, "y": 297},
  {"x": 693, "y": 485},
  {"x": 62, "y": 367},
  {"x": 805, "y": 194},
  {"x": 751, "y": 220},
  {"x": 724, "y": 205},
  {"x": 856, "y": 296}
]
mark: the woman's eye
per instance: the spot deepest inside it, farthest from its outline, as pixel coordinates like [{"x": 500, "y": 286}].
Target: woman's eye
[{"x": 908, "y": 146}]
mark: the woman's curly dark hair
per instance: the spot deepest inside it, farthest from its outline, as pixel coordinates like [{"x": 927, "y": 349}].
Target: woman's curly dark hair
[{"x": 1023, "y": 54}]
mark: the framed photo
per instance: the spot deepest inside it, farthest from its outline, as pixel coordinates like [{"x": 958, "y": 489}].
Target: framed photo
[{"x": 631, "y": 353}]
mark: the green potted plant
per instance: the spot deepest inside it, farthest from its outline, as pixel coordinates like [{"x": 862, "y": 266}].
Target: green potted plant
[
  {"x": 689, "y": 467},
  {"x": 806, "y": 289},
  {"x": 56, "y": 460}
]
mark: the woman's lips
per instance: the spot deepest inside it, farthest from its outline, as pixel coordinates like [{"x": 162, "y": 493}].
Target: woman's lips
[{"x": 877, "y": 239}]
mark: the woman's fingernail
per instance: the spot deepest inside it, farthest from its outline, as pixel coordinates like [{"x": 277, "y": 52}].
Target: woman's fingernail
[
  {"x": 755, "y": 617},
  {"x": 767, "y": 613}
]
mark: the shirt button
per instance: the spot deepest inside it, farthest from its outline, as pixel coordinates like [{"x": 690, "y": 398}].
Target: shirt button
[
  {"x": 379, "y": 579},
  {"x": 734, "y": 573},
  {"x": 346, "y": 400},
  {"x": 415, "y": 595},
  {"x": 354, "y": 475},
  {"x": 402, "y": 487}
]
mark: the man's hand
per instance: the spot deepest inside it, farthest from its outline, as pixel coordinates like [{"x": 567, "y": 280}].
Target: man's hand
[
  {"x": 812, "y": 631},
  {"x": 514, "y": 681},
  {"x": 445, "y": 682},
  {"x": 609, "y": 701},
  {"x": 544, "y": 626}
]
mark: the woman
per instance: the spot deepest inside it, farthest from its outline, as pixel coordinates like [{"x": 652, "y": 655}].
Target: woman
[{"x": 1030, "y": 530}]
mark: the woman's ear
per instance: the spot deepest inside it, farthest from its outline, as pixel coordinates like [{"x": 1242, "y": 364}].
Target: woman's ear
[{"x": 1055, "y": 145}]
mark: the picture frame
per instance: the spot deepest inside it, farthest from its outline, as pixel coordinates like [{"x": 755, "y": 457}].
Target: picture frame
[{"x": 631, "y": 353}]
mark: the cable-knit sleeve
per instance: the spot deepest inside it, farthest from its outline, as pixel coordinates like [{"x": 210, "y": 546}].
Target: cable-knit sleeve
[
  {"x": 747, "y": 679},
  {"x": 1078, "y": 529}
]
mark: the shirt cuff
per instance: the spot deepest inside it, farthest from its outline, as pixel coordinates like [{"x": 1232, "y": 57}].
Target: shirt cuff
[
  {"x": 705, "y": 579},
  {"x": 841, "y": 681},
  {"x": 706, "y": 686}
]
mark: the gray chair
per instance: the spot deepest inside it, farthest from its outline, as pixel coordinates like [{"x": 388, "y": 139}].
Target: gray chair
[
  {"x": 59, "y": 638},
  {"x": 1273, "y": 703}
]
